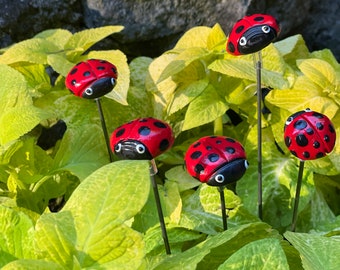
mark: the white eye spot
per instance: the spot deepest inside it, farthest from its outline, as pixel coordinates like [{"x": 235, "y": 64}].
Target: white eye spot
[
  {"x": 140, "y": 148},
  {"x": 246, "y": 164},
  {"x": 243, "y": 41},
  {"x": 265, "y": 29},
  {"x": 89, "y": 91},
  {"x": 219, "y": 178},
  {"x": 118, "y": 147},
  {"x": 113, "y": 81},
  {"x": 289, "y": 120}
]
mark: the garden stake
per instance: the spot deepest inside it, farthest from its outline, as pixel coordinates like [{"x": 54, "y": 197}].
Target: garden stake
[
  {"x": 145, "y": 139},
  {"x": 217, "y": 161},
  {"x": 308, "y": 135},
  {"x": 258, "y": 65},
  {"x": 153, "y": 172},
  {"x": 93, "y": 79},
  {"x": 106, "y": 135},
  {"x": 223, "y": 208},
  {"x": 297, "y": 195},
  {"x": 249, "y": 36}
]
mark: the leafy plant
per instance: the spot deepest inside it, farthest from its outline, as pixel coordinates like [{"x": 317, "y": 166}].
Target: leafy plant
[{"x": 109, "y": 218}]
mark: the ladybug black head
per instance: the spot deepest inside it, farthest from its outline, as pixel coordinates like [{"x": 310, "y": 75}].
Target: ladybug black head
[
  {"x": 229, "y": 173},
  {"x": 256, "y": 38},
  {"x": 99, "y": 88},
  {"x": 132, "y": 149}
]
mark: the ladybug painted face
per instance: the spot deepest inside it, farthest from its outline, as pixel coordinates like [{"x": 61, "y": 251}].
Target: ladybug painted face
[
  {"x": 309, "y": 135},
  {"x": 143, "y": 138},
  {"x": 216, "y": 160},
  {"x": 252, "y": 34},
  {"x": 92, "y": 79}
]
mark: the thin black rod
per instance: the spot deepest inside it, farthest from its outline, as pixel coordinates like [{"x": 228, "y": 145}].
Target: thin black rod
[
  {"x": 223, "y": 208},
  {"x": 153, "y": 171},
  {"x": 297, "y": 195},
  {"x": 259, "y": 132},
  {"x": 106, "y": 135}
]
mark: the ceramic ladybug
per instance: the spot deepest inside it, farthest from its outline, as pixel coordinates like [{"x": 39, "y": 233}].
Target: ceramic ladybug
[
  {"x": 309, "y": 135},
  {"x": 92, "y": 78},
  {"x": 252, "y": 33},
  {"x": 216, "y": 160},
  {"x": 142, "y": 138}
]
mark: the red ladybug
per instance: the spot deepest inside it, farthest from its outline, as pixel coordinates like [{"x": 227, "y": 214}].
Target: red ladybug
[
  {"x": 216, "y": 160},
  {"x": 142, "y": 138},
  {"x": 309, "y": 135},
  {"x": 252, "y": 33},
  {"x": 92, "y": 78}
]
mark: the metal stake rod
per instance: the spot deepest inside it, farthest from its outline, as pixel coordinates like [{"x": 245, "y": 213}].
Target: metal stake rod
[
  {"x": 223, "y": 208},
  {"x": 258, "y": 65},
  {"x": 153, "y": 171},
  {"x": 297, "y": 195},
  {"x": 106, "y": 135}
]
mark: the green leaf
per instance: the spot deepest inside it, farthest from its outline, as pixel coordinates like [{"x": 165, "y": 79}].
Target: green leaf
[
  {"x": 217, "y": 38},
  {"x": 261, "y": 254},
  {"x": 204, "y": 109},
  {"x": 86, "y": 38},
  {"x": 33, "y": 50},
  {"x": 317, "y": 252},
  {"x": 243, "y": 69},
  {"x": 60, "y": 64},
  {"x": 20, "y": 120},
  {"x": 182, "y": 178},
  {"x": 212, "y": 252},
  {"x": 32, "y": 265},
  {"x": 195, "y": 37},
  {"x": 90, "y": 230},
  {"x": 139, "y": 69},
  {"x": 116, "y": 57},
  {"x": 59, "y": 37},
  {"x": 16, "y": 239}
]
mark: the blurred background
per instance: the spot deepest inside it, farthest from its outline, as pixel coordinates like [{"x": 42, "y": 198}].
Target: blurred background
[{"x": 154, "y": 26}]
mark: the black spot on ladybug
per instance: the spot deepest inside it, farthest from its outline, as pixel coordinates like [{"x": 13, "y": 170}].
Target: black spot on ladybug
[
  {"x": 310, "y": 131},
  {"x": 208, "y": 147},
  {"x": 230, "y": 140},
  {"x": 301, "y": 140},
  {"x": 101, "y": 68},
  {"x": 120, "y": 132},
  {"x": 196, "y": 154},
  {"x": 319, "y": 126},
  {"x": 258, "y": 18},
  {"x": 300, "y": 124},
  {"x": 164, "y": 144},
  {"x": 213, "y": 136},
  {"x": 317, "y": 115},
  {"x": 288, "y": 141},
  {"x": 231, "y": 47},
  {"x": 196, "y": 144},
  {"x": 326, "y": 138},
  {"x": 102, "y": 61},
  {"x": 331, "y": 128},
  {"x": 218, "y": 142},
  {"x": 86, "y": 73},
  {"x": 306, "y": 154},
  {"x": 293, "y": 153},
  {"x": 239, "y": 29},
  {"x": 143, "y": 120},
  {"x": 213, "y": 157},
  {"x": 114, "y": 70},
  {"x": 316, "y": 145},
  {"x": 159, "y": 124},
  {"x": 73, "y": 82},
  {"x": 319, "y": 155},
  {"x": 230, "y": 150},
  {"x": 73, "y": 71},
  {"x": 144, "y": 131},
  {"x": 199, "y": 168}
]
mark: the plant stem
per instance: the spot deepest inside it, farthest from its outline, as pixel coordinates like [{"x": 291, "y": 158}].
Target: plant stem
[
  {"x": 153, "y": 171},
  {"x": 223, "y": 208},
  {"x": 297, "y": 195},
  {"x": 218, "y": 126},
  {"x": 106, "y": 135},
  {"x": 258, "y": 66}
]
